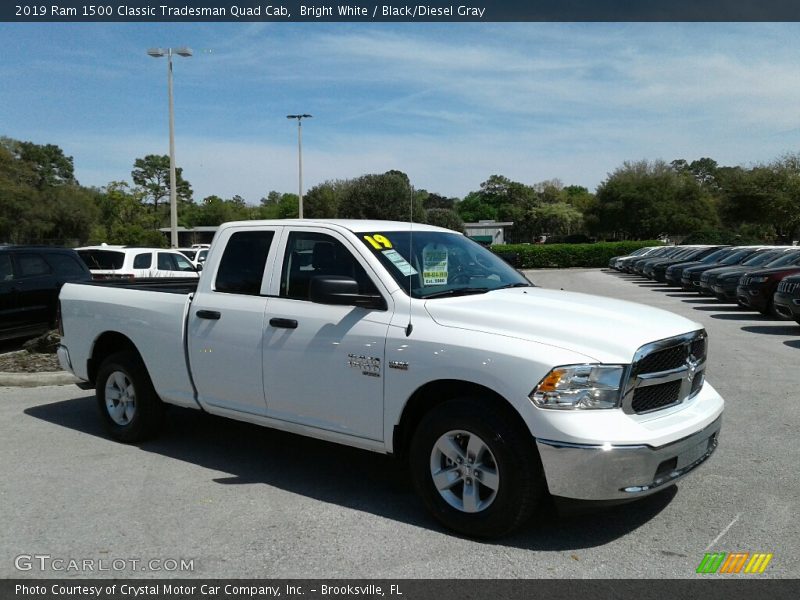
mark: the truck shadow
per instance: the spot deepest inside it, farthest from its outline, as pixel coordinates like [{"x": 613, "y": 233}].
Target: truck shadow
[{"x": 348, "y": 477}]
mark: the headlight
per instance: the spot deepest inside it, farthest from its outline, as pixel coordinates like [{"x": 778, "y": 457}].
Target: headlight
[
  {"x": 579, "y": 386},
  {"x": 759, "y": 279}
]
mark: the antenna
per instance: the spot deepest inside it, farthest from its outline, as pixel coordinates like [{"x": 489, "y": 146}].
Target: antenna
[{"x": 410, "y": 327}]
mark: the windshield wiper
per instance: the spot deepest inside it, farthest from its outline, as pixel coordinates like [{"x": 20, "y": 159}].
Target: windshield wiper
[
  {"x": 456, "y": 292},
  {"x": 514, "y": 285}
]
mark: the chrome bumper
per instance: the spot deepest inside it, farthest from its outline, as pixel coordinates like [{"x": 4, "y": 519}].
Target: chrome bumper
[
  {"x": 63, "y": 358},
  {"x": 607, "y": 472}
]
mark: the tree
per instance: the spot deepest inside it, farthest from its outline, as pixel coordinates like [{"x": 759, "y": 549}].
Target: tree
[
  {"x": 642, "y": 200},
  {"x": 767, "y": 195},
  {"x": 151, "y": 173},
  {"x": 445, "y": 217},
  {"x": 387, "y": 196},
  {"x": 44, "y": 166}
]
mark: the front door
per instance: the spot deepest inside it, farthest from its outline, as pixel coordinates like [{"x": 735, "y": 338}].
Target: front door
[{"x": 324, "y": 364}]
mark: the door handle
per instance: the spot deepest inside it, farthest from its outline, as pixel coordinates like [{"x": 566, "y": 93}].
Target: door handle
[
  {"x": 214, "y": 315},
  {"x": 285, "y": 323}
]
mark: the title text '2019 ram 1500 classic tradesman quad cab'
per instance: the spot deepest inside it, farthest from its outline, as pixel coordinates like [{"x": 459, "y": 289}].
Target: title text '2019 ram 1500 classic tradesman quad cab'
[{"x": 413, "y": 341}]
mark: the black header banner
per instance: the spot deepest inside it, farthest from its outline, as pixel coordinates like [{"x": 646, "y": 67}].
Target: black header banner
[{"x": 397, "y": 10}]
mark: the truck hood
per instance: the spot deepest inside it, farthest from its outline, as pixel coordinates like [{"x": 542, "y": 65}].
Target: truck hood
[{"x": 601, "y": 329}]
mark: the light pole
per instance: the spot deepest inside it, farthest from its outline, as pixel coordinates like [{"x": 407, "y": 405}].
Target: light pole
[
  {"x": 173, "y": 194},
  {"x": 299, "y": 158}
]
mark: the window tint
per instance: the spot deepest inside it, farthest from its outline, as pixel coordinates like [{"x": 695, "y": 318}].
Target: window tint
[
  {"x": 143, "y": 261},
  {"x": 242, "y": 266},
  {"x": 102, "y": 259},
  {"x": 64, "y": 264},
  {"x": 182, "y": 263},
  {"x": 31, "y": 265},
  {"x": 6, "y": 272},
  {"x": 309, "y": 255},
  {"x": 166, "y": 262}
]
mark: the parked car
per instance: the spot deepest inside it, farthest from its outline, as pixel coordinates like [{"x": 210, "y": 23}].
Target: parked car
[
  {"x": 722, "y": 281},
  {"x": 757, "y": 288},
  {"x": 689, "y": 275},
  {"x": 637, "y": 265},
  {"x": 494, "y": 391},
  {"x": 616, "y": 262},
  {"x": 120, "y": 262},
  {"x": 787, "y": 298},
  {"x": 658, "y": 270},
  {"x": 30, "y": 279},
  {"x": 671, "y": 272}
]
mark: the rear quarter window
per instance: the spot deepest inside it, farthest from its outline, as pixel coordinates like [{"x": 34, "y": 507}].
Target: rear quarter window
[
  {"x": 64, "y": 264},
  {"x": 102, "y": 259},
  {"x": 143, "y": 261},
  {"x": 31, "y": 265}
]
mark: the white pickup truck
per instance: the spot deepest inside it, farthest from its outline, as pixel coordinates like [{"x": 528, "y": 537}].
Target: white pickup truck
[{"x": 412, "y": 341}]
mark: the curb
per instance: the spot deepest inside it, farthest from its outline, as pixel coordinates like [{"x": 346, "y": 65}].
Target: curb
[{"x": 37, "y": 379}]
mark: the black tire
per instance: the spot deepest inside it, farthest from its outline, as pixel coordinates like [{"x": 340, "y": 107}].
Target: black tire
[
  {"x": 128, "y": 421},
  {"x": 512, "y": 459}
]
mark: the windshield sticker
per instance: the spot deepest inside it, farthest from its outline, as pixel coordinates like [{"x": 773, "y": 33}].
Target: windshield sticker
[
  {"x": 378, "y": 241},
  {"x": 401, "y": 263},
  {"x": 434, "y": 264}
]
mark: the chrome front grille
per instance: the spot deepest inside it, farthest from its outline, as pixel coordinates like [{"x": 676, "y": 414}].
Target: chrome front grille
[
  {"x": 666, "y": 373},
  {"x": 745, "y": 280}
]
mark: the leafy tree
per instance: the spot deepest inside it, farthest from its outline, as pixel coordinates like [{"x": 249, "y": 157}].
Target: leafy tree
[
  {"x": 322, "y": 201},
  {"x": 385, "y": 196},
  {"x": 151, "y": 173},
  {"x": 766, "y": 195},
  {"x": 642, "y": 200},
  {"x": 473, "y": 209},
  {"x": 445, "y": 217},
  {"x": 432, "y": 200},
  {"x": 44, "y": 166}
]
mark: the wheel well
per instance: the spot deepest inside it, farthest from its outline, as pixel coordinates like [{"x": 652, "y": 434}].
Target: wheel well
[
  {"x": 435, "y": 393},
  {"x": 107, "y": 344}
]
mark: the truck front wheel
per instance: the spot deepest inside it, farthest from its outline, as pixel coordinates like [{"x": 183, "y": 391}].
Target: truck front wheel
[
  {"x": 476, "y": 470},
  {"x": 128, "y": 403}
]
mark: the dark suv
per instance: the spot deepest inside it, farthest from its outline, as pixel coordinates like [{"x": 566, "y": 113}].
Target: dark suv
[
  {"x": 787, "y": 298},
  {"x": 30, "y": 279},
  {"x": 756, "y": 288}
]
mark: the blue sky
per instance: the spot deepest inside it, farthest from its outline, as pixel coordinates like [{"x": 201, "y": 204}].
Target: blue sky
[{"x": 449, "y": 104}]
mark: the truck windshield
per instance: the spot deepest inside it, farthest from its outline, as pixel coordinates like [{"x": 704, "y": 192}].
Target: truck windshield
[{"x": 433, "y": 264}]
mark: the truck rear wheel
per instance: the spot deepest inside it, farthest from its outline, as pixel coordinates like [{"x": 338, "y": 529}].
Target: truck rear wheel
[
  {"x": 128, "y": 403},
  {"x": 477, "y": 471}
]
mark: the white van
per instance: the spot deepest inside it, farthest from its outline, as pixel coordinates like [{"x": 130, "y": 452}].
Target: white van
[{"x": 118, "y": 262}]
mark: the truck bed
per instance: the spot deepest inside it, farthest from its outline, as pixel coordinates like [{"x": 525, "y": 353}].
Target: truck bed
[{"x": 151, "y": 314}]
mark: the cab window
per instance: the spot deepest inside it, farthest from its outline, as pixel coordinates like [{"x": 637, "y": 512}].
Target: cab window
[
  {"x": 310, "y": 255},
  {"x": 242, "y": 265}
]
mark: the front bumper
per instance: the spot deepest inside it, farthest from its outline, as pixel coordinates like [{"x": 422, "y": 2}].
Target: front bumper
[
  {"x": 752, "y": 297},
  {"x": 726, "y": 293},
  {"x": 609, "y": 472},
  {"x": 787, "y": 306}
]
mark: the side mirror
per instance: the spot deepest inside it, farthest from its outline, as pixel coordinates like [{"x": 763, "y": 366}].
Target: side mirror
[
  {"x": 340, "y": 290},
  {"x": 199, "y": 267}
]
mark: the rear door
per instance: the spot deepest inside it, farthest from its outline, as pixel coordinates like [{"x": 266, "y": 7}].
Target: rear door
[
  {"x": 226, "y": 324},
  {"x": 9, "y": 314},
  {"x": 35, "y": 285}
]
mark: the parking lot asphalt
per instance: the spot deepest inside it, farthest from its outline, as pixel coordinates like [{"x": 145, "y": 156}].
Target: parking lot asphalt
[{"x": 243, "y": 501}]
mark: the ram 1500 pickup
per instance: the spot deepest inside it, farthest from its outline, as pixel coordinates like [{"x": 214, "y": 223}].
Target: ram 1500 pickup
[{"x": 412, "y": 341}]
